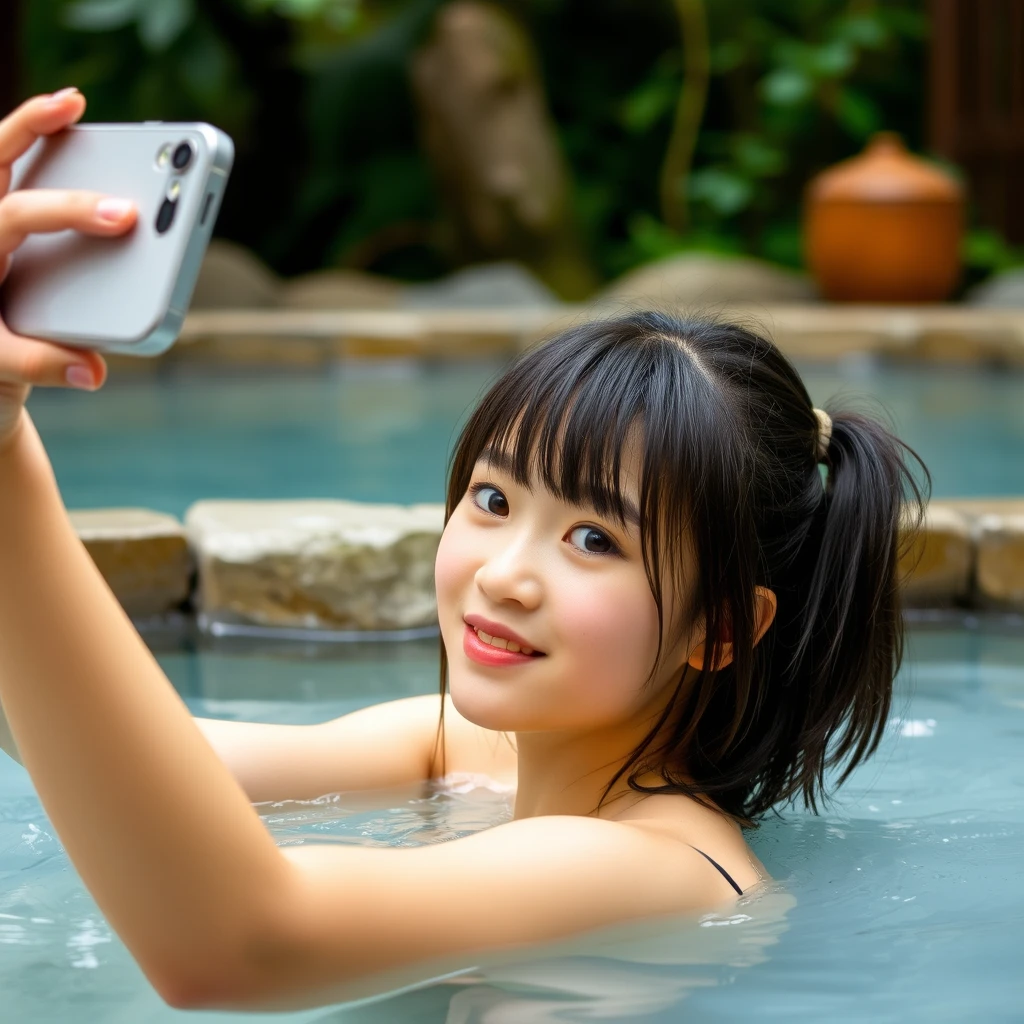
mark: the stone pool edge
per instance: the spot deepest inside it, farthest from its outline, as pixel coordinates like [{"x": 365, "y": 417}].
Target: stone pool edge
[
  {"x": 937, "y": 333},
  {"x": 346, "y": 569}
]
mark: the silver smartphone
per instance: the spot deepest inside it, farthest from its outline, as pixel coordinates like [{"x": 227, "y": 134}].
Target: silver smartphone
[{"x": 127, "y": 294}]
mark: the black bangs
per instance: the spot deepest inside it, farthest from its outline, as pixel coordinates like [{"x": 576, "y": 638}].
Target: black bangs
[
  {"x": 563, "y": 415},
  {"x": 571, "y": 411}
]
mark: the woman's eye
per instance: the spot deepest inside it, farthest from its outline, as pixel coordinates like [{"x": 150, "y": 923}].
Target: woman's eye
[
  {"x": 592, "y": 540},
  {"x": 490, "y": 499}
]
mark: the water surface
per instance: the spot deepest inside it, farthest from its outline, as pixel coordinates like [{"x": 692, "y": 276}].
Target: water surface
[{"x": 907, "y": 894}]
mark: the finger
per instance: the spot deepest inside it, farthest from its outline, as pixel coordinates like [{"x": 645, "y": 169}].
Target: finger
[
  {"x": 41, "y": 115},
  {"x": 40, "y": 211},
  {"x": 29, "y": 361}
]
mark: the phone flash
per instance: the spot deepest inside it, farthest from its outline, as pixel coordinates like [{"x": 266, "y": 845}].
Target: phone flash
[
  {"x": 164, "y": 155},
  {"x": 174, "y": 191}
]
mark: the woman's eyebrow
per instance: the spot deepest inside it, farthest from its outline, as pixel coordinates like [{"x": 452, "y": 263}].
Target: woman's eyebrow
[
  {"x": 503, "y": 463},
  {"x": 498, "y": 459}
]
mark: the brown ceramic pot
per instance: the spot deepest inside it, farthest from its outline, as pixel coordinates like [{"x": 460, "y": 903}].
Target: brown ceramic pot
[{"x": 884, "y": 226}]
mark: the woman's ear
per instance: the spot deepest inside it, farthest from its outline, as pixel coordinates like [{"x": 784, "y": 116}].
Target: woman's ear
[{"x": 765, "y": 607}]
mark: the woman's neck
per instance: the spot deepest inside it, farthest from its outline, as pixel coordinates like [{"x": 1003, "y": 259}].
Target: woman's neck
[{"x": 560, "y": 774}]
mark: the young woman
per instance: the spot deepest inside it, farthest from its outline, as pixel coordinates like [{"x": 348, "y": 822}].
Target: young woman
[{"x": 646, "y": 578}]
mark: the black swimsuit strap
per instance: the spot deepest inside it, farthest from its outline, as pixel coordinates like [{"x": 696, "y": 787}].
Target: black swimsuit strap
[{"x": 725, "y": 874}]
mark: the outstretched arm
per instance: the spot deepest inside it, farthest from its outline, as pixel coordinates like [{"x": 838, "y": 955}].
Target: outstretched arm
[{"x": 160, "y": 831}]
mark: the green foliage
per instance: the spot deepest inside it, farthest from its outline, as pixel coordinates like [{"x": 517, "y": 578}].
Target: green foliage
[
  {"x": 795, "y": 86},
  {"x": 986, "y": 252},
  {"x": 316, "y": 95},
  {"x": 312, "y": 91}
]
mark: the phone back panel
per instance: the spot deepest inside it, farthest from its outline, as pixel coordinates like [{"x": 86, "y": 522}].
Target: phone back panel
[{"x": 128, "y": 293}]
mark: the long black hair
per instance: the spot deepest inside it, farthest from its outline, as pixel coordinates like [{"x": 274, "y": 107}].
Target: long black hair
[{"x": 730, "y": 471}]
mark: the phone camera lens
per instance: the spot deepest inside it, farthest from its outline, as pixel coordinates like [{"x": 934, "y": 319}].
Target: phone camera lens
[
  {"x": 182, "y": 156},
  {"x": 165, "y": 215}
]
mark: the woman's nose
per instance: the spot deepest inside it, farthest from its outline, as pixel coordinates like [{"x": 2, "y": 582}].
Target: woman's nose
[{"x": 510, "y": 574}]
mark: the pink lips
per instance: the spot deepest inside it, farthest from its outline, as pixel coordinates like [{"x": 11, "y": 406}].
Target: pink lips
[
  {"x": 485, "y": 654},
  {"x": 499, "y": 629}
]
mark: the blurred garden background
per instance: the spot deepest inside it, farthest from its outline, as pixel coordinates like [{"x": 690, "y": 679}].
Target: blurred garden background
[{"x": 581, "y": 138}]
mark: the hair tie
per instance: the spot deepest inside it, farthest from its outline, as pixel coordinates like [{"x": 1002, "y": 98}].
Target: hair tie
[{"x": 824, "y": 433}]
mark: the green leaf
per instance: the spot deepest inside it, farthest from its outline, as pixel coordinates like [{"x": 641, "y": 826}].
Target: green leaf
[
  {"x": 654, "y": 98},
  {"x": 727, "y": 56},
  {"x": 652, "y": 240},
  {"x": 858, "y": 113},
  {"x": 726, "y": 192},
  {"x": 161, "y": 22},
  {"x": 786, "y": 87},
  {"x": 912, "y": 24},
  {"x": 344, "y": 15},
  {"x": 866, "y": 31},
  {"x": 647, "y": 105},
  {"x": 757, "y": 157},
  {"x": 988, "y": 250},
  {"x": 782, "y": 242},
  {"x": 834, "y": 59},
  {"x": 301, "y": 9},
  {"x": 100, "y": 15}
]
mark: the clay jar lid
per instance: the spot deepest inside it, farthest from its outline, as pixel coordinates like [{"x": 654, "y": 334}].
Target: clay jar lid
[{"x": 885, "y": 173}]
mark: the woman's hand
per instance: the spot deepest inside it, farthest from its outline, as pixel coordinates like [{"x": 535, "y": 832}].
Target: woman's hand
[{"x": 25, "y": 362}]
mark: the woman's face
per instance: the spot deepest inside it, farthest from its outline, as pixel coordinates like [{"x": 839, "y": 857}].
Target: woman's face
[{"x": 517, "y": 563}]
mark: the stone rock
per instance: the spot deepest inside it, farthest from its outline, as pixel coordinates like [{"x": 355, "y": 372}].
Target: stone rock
[
  {"x": 486, "y": 286},
  {"x": 997, "y": 533},
  {"x": 705, "y": 280},
  {"x": 487, "y": 131},
  {"x": 1002, "y": 291},
  {"x": 999, "y": 577},
  {"x": 936, "y": 568},
  {"x": 232, "y": 277},
  {"x": 976, "y": 508},
  {"x": 144, "y": 556},
  {"x": 341, "y": 289},
  {"x": 337, "y": 565}
]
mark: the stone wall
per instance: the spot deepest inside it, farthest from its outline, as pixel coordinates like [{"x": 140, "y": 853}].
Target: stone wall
[{"x": 344, "y": 567}]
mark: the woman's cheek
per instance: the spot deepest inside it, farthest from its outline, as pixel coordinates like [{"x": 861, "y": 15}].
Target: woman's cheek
[
  {"x": 453, "y": 568},
  {"x": 612, "y": 627}
]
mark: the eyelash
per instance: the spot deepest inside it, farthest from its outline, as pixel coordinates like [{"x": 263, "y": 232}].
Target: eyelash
[{"x": 475, "y": 490}]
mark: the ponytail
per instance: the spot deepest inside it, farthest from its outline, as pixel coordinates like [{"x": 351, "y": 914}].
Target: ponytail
[{"x": 850, "y": 641}]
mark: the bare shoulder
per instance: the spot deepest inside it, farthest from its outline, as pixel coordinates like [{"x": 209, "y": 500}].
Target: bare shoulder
[{"x": 703, "y": 834}]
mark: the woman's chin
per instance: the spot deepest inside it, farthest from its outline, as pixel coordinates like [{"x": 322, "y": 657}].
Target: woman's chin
[{"x": 490, "y": 706}]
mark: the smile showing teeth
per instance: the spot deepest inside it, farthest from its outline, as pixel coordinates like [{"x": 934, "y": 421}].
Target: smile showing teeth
[{"x": 502, "y": 644}]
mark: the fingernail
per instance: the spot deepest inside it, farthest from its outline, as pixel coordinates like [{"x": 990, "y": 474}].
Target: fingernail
[
  {"x": 58, "y": 97},
  {"x": 80, "y": 377},
  {"x": 113, "y": 209}
]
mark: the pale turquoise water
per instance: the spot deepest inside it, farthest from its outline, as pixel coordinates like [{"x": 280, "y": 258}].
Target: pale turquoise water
[
  {"x": 382, "y": 432},
  {"x": 909, "y": 893}
]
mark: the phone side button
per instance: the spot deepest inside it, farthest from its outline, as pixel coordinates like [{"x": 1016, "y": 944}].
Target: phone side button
[{"x": 207, "y": 203}]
